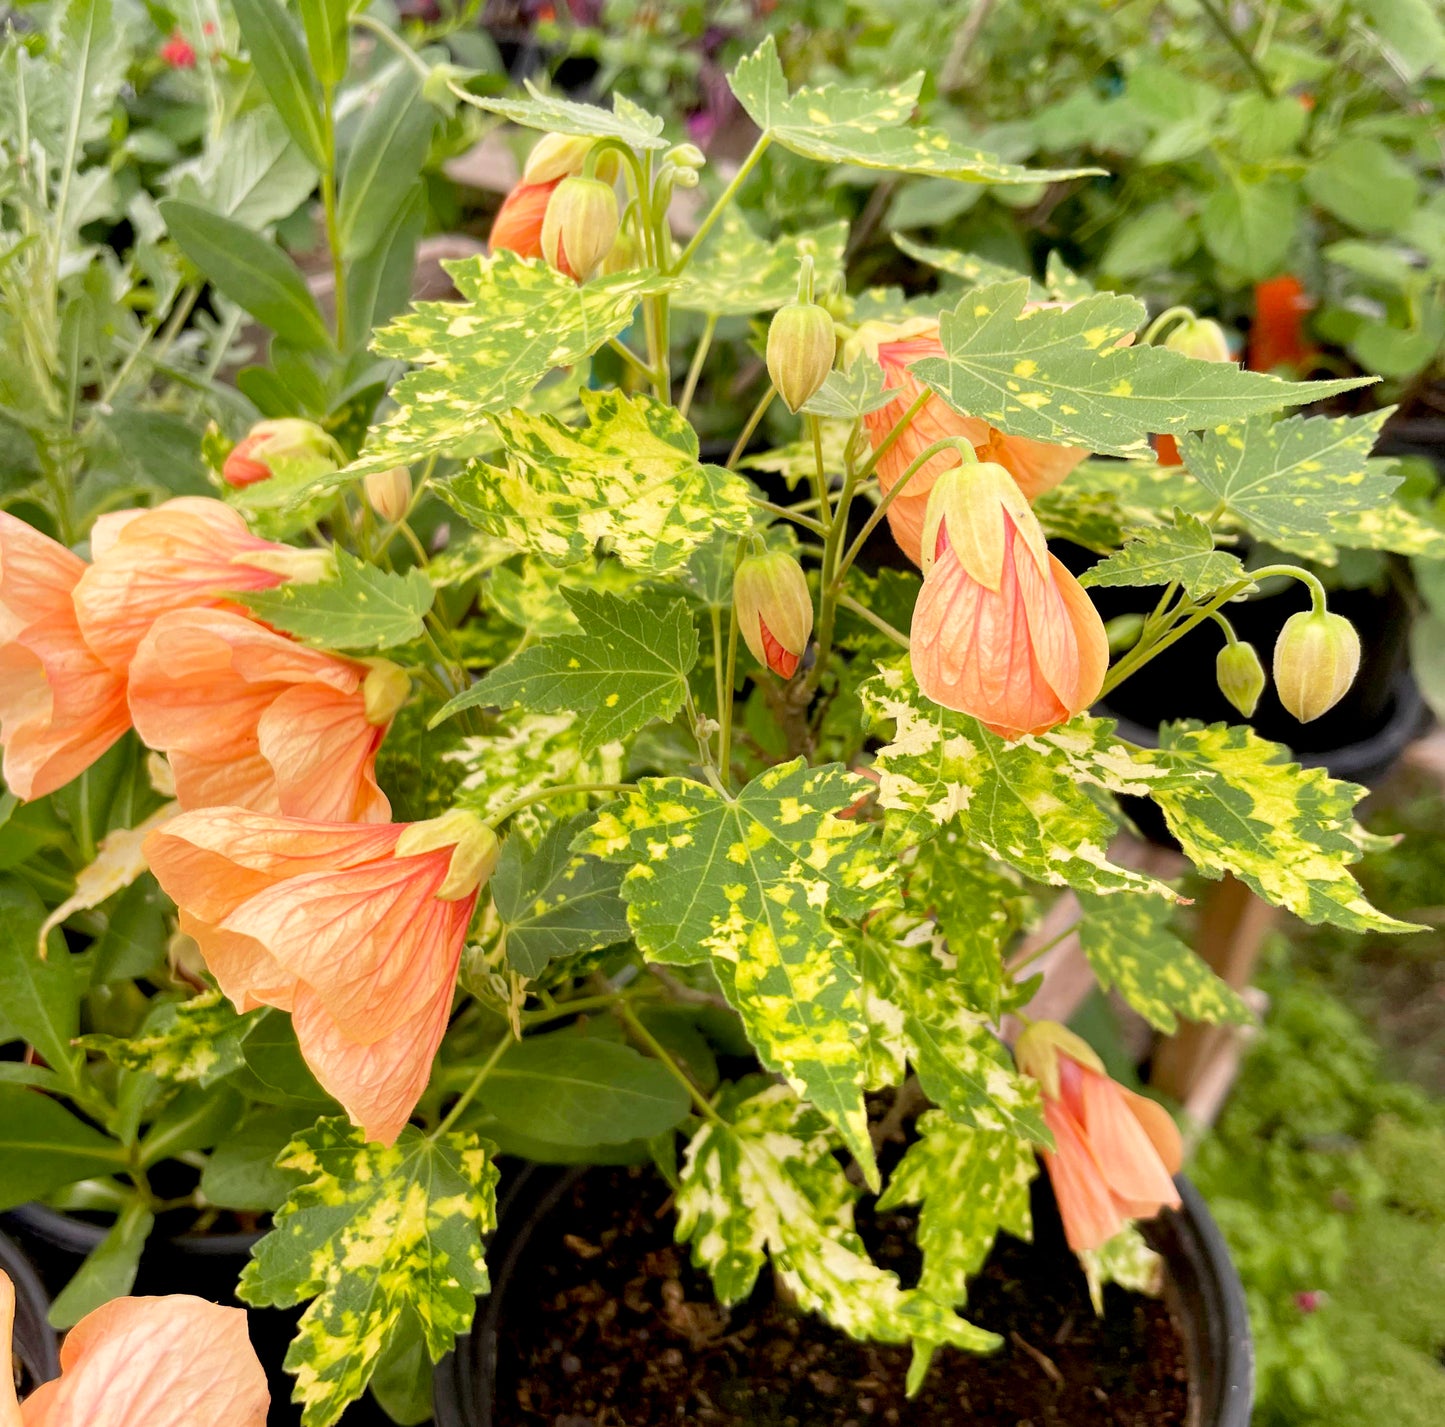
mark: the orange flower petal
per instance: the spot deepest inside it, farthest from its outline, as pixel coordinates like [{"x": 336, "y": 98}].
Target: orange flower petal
[
  {"x": 322, "y": 753},
  {"x": 1125, "y": 1152},
  {"x": 517, "y": 227},
  {"x": 9, "y": 1404},
  {"x": 1037, "y": 466},
  {"x": 1090, "y": 1213}
]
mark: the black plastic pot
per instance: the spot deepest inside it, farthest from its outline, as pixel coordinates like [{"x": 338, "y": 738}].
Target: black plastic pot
[
  {"x": 206, "y": 1265},
  {"x": 34, "y": 1345},
  {"x": 1202, "y": 1289}
]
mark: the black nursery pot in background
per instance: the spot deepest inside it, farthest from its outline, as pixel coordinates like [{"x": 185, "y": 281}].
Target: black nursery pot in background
[
  {"x": 34, "y": 1347},
  {"x": 1202, "y": 1293}
]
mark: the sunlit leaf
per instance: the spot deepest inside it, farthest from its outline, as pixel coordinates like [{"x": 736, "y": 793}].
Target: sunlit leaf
[
  {"x": 196, "y": 1040},
  {"x": 549, "y": 112},
  {"x": 1182, "y": 553},
  {"x": 739, "y": 274}
]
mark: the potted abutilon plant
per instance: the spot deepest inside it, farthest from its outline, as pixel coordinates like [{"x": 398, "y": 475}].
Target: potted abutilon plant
[{"x": 637, "y": 831}]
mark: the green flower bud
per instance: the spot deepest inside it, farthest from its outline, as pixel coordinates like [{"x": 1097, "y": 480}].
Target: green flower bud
[
  {"x": 1240, "y": 676},
  {"x": 774, "y": 610},
  {"x": 388, "y": 493},
  {"x": 1200, "y": 337},
  {"x": 1123, "y": 632},
  {"x": 801, "y": 348},
  {"x": 556, "y": 156},
  {"x": 685, "y": 156},
  {"x": 1315, "y": 660},
  {"x": 624, "y": 257},
  {"x": 289, "y": 447},
  {"x": 580, "y": 227}
]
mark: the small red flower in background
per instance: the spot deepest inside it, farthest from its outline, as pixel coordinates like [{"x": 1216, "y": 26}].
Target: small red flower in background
[
  {"x": 1276, "y": 337},
  {"x": 177, "y": 52}
]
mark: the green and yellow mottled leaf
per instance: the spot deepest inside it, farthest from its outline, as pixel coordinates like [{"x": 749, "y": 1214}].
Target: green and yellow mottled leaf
[
  {"x": 845, "y": 396},
  {"x": 968, "y": 1184},
  {"x": 373, "y": 1232},
  {"x": 1393, "y": 527},
  {"x": 480, "y": 357},
  {"x": 737, "y": 274},
  {"x": 751, "y": 883},
  {"x": 912, "y": 993},
  {"x": 967, "y": 267},
  {"x": 798, "y": 461},
  {"x": 1058, "y": 374},
  {"x": 1182, "y": 553},
  {"x": 1288, "y": 832},
  {"x": 1291, "y": 478},
  {"x": 626, "y": 121},
  {"x": 626, "y": 665},
  {"x": 197, "y": 1040},
  {"x": 1025, "y": 803},
  {"x": 1126, "y": 1260},
  {"x": 1131, "y": 948},
  {"x": 362, "y": 608},
  {"x": 767, "y": 1183},
  {"x": 553, "y": 902},
  {"x": 630, "y": 477},
  {"x": 867, "y": 127}
]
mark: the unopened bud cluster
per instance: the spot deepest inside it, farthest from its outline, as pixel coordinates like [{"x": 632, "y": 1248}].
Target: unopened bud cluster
[{"x": 774, "y": 610}]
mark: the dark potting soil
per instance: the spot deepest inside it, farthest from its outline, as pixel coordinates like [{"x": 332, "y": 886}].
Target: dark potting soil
[{"x": 611, "y": 1326}]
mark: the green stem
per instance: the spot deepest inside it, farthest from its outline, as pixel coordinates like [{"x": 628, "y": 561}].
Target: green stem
[
  {"x": 725, "y": 710},
  {"x": 1141, "y": 654},
  {"x": 694, "y": 371},
  {"x": 328, "y": 202},
  {"x": 476, "y": 1083},
  {"x": 790, "y": 513},
  {"x": 1047, "y": 947},
  {"x": 1162, "y": 321},
  {"x": 724, "y": 198},
  {"x": 888, "y": 442},
  {"x": 751, "y": 425},
  {"x": 631, "y": 358},
  {"x": 396, "y": 42},
  {"x": 1221, "y": 23},
  {"x": 1318, "y": 601},
  {"x": 882, "y": 625},
  {"x": 559, "y": 791},
  {"x": 820, "y": 476},
  {"x": 717, "y": 660},
  {"x": 629, "y": 1018}
]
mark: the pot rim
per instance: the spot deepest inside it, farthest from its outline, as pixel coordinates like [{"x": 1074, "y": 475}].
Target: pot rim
[
  {"x": 30, "y": 1291},
  {"x": 59, "y": 1230}
]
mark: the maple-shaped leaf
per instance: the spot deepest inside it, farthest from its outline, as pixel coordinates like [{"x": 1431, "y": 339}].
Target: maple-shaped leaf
[
  {"x": 767, "y": 1183},
  {"x": 630, "y": 477},
  {"x": 181, "y": 1041},
  {"x": 362, "y": 608},
  {"x": 626, "y": 665},
  {"x": 845, "y": 396},
  {"x": 867, "y": 127},
  {"x": 1287, "y": 832},
  {"x": 968, "y": 1184},
  {"x": 1127, "y": 1260},
  {"x": 1131, "y": 949},
  {"x": 751, "y": 883},
  {"x": 1024, "y": 803},
  {"x": 1182, "y": 553},
  {"x": 372, "y": 1234},
  {"x": 1394, "y": 526},
  {"x": 626, "y": 120},
  {"x": 1058, "y": 374},
  {"x": 914, "y": 998},
  {"x": 738, "y": 274},
  {"x": 798, "y": 460},
  {"x": 552, "y": 902},
  {"x": 480, "y": 357},
  {"x": 967, "y": 267},
  {"x": 1291, "y": 478}
]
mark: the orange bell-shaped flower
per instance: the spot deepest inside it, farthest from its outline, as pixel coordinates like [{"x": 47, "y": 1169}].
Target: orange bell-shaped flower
[
  {"x": 1036, "y": 466},
  {"x": 143, "y": 1362},
  {"x": 251, "y": 718},
  {"x": 60, "y": 707},
  {"x": 1115, "y": 1153},
  {"x": 355, "y": 929},
  {"x": 189, "y": 552},
  {"x": 1001, "y": 630},
  {"x": 517, "y": 228}
]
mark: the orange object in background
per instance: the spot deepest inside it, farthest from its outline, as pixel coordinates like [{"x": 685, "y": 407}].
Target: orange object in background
[
  {"x": 1276, "y": 336},
  {"x": 1166, "y": 451}
]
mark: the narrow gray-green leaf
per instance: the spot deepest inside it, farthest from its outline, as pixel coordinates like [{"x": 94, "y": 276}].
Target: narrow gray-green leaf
[
  {"x": 284, "y": 71},
  {"x": 383, "y": 163}
]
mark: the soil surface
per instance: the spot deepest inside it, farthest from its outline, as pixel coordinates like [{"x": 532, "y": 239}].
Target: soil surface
[{"x": 612, "y": 1327}]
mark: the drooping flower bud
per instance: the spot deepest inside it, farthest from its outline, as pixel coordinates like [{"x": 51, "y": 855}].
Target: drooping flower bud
[
  {"x": 1036, "y": 1052},
  {"x": 289, "y": 447},
  {"x": 389, "y": 493},
  {"x": 685, "y": 156},
  {"x": 1240, "y": 676},
  {"x": 1200, "y": 337},
  {"x": 556, "y": 156},
  {"x": 475, "y": 849},
  {"x": 1316, "y": 659},
  {"x": 774, "y": 609},
  {"x": 580, "y": 227},
  {"x": 383, "y": 691},
  {"x": 801, "y": 348}
]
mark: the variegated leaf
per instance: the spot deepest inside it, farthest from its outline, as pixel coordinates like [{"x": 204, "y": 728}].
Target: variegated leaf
[
  {"x": 1182, "y": 553},
  {"x": 373, "y": 1233},
  {"x": 751, "y": 882},
  {"x": 798, "y": 461},
  {"x": 968, "y": 1184},
  {"x": 1291, "y": 478},
  {"x": 1130, "y": 947},
  {"x": 737, "y": 274},
  {"x": 480, "y": 357},
  {"x": 626, "y": 121},
  {"x": 1126, "y": 1260},
  {"x": 1286, "y": 831},
  {"x": 630, "y": 477},
  {"x": 867, "y": 127},
  {"x": 1024, "y": 803},
  {"x": 967, "y": 267},
  {"x": 197, "y": 1040},
  {"x": 767, "y": 1183},
  {"x": 1059, "y": 374},
  {"x": 911, "y": 990}
]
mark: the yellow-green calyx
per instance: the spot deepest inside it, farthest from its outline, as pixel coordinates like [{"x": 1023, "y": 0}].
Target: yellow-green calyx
[
  {"x": 1036, "y": 1052},
  {"x": 1316, "y": 659},
  {"x": 388, "y": 493},
  {"x": 1240, "y": 675},
  {"x": 801, "y": 348},
  {"x": 384, "y": 691},
  {"x": 580, "y": 226},
  {"x": 1200, "y": 337},
  {"x": 774, "y": 610},
  {"x": 556, "y": 156},
  {"x": 475, "y": 850},
  {"x": 311, "y": 566},
  {"x": 972, "y": 502}
]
